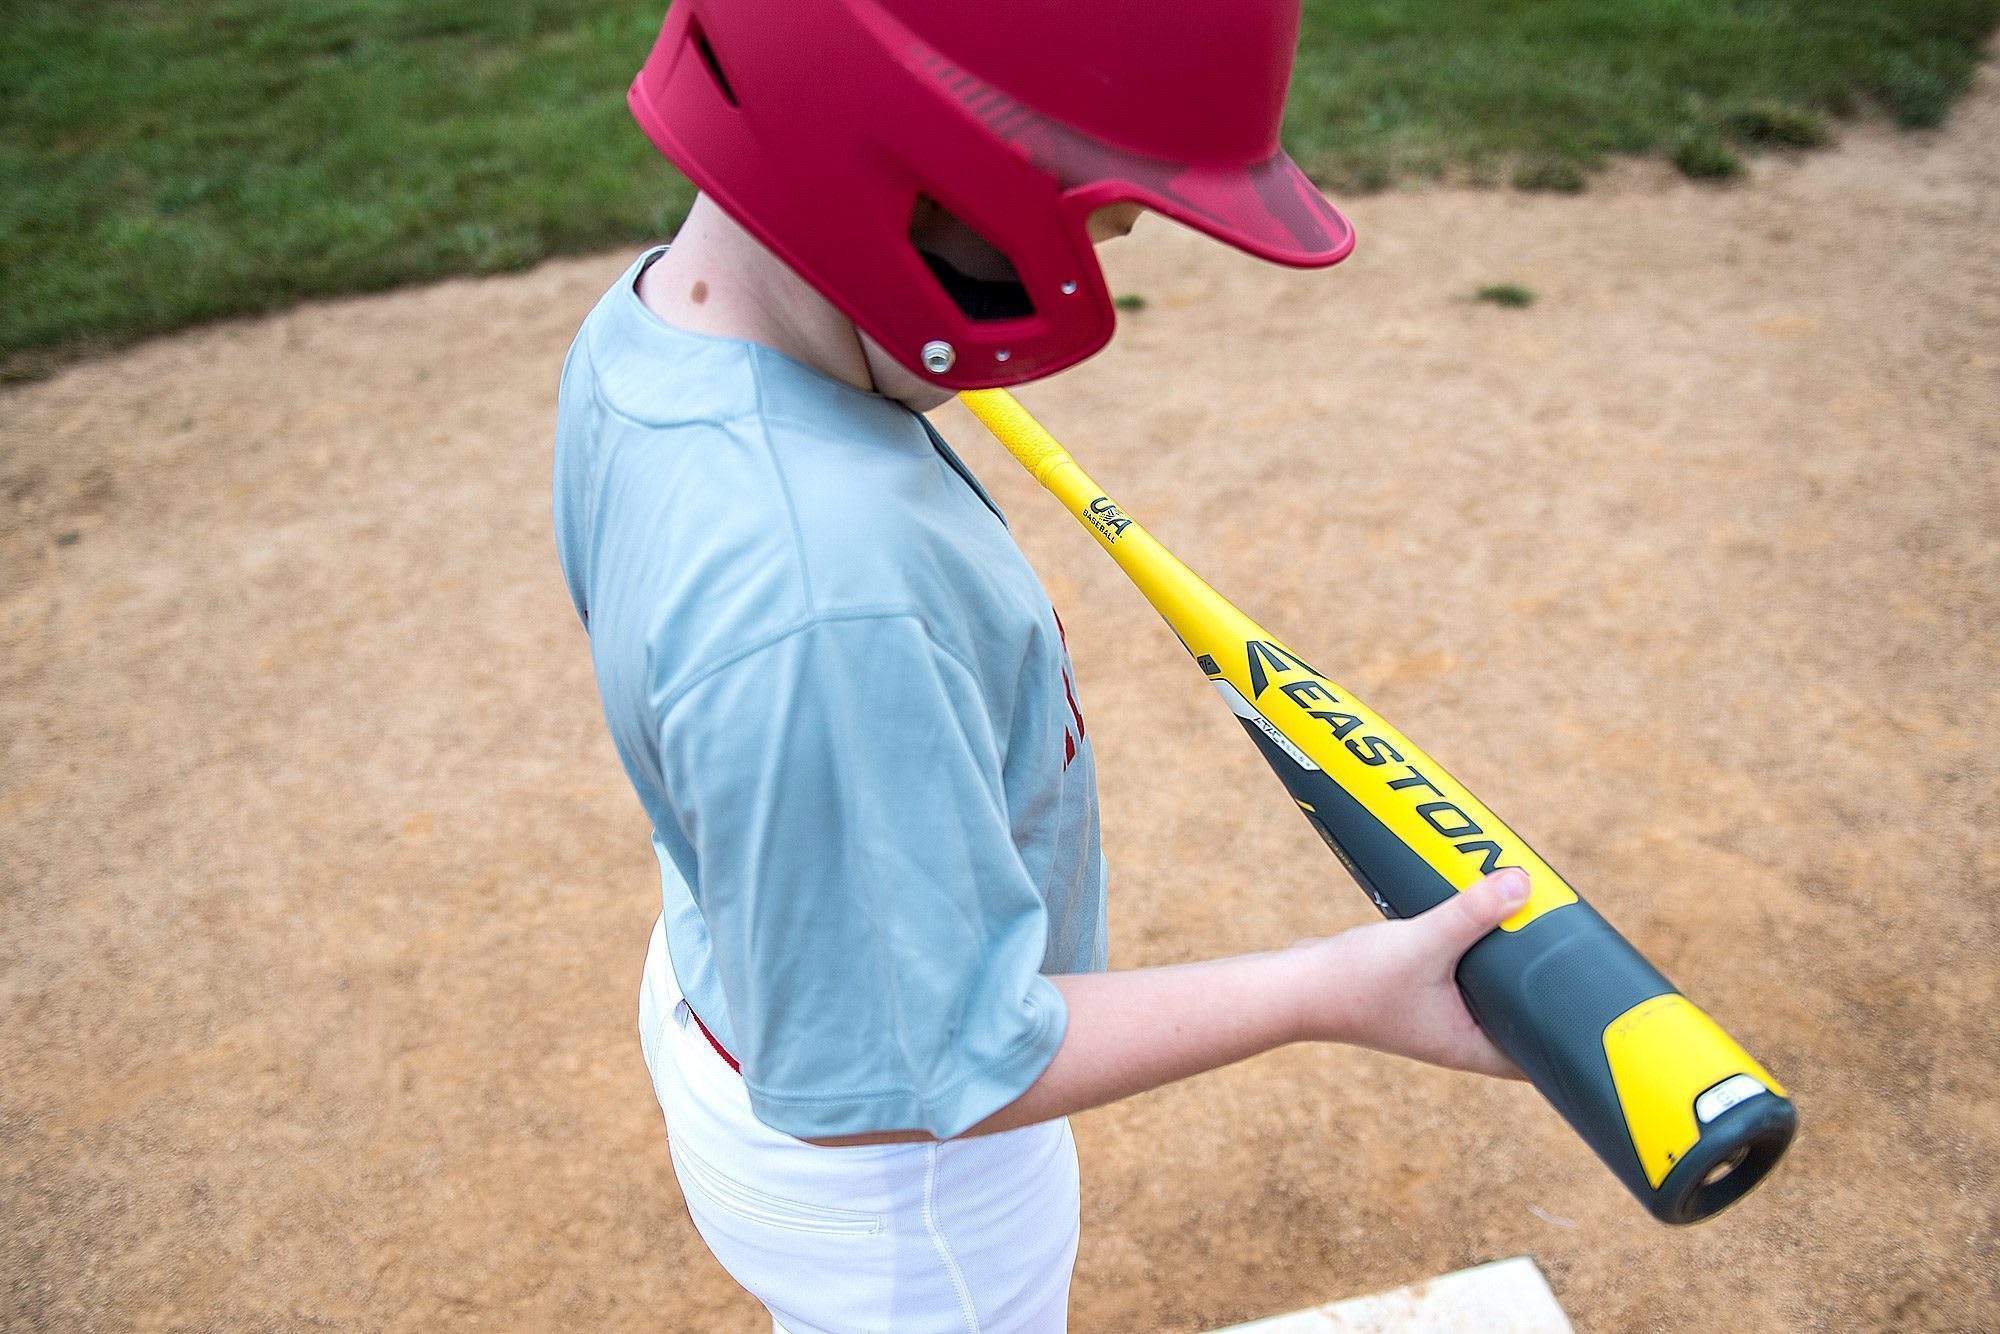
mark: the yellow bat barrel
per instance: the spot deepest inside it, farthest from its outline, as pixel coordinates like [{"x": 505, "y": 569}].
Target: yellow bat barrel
[{"x": 1680, "y": 1112}]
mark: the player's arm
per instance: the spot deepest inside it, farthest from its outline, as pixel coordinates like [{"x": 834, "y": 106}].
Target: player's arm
[{"x": 1387, "y": 986}]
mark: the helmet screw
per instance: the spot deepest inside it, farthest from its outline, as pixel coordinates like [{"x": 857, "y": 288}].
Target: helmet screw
[
  {"x": 938, "y": 356},
  {"x": 1002, "y": 355},
  {"x": 1069, "y": 288}
]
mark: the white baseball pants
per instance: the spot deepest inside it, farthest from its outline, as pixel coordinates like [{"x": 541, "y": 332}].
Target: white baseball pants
[{"x": 974, "y": 1236}]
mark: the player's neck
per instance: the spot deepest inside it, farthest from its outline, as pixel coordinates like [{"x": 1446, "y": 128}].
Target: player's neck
[{"x": 719, "y": 280}]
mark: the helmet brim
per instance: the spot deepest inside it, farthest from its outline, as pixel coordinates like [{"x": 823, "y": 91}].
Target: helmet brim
[{"x": 1270, "y": 210}]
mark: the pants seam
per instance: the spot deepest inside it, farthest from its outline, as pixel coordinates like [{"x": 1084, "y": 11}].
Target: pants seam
[{"x": 943, "y": 1246}]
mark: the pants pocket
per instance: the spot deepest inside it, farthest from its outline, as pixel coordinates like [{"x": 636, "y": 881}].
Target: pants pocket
[{"x": 762, "y": 1207}]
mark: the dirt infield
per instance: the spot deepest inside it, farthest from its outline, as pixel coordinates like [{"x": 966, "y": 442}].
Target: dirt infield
[{"x": 325, "y": 897}]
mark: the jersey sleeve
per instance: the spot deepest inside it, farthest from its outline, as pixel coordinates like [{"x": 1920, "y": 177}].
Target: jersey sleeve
[{"x": 876, "y": 935}]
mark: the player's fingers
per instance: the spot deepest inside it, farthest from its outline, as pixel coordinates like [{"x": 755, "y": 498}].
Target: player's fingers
[{"x": 1468, "y": 916}]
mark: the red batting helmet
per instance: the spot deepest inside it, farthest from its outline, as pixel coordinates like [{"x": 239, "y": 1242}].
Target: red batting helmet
[{"x": 819, "y": 124}]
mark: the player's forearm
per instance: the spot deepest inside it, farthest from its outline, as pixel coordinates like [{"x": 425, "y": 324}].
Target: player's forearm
[
  {"x": 1141, "y": 1028},
  {"x": 1135, "y": 1030},
  {"x": 1389, "y": 985}
]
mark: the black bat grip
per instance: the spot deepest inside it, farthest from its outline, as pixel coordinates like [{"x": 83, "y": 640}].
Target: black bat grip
[{"x": 1547, "y": 994}]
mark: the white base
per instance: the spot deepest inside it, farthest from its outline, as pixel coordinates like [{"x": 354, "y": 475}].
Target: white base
[{"x": 1505, "y": 1297}]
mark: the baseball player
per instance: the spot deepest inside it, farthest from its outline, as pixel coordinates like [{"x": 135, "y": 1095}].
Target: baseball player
[{"x": 878, "y": 985}]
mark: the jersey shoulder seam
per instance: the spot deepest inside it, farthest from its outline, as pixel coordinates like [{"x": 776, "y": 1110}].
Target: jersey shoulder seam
[
  {"x": 878, "y": 612},
  {"x": 591, "y": 335},
  {"x": 784, "y": 487}
]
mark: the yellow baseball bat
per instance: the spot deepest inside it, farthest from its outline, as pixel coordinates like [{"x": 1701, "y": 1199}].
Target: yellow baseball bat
[{"x": 1678, "y": 1111}]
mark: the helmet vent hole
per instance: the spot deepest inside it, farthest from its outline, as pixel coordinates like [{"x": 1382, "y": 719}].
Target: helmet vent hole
[
  {"x": 707, "y": 53},
  {"x": 976, "y": 274}
]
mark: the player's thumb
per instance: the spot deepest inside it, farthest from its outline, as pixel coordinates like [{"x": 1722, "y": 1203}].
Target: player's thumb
[{"x": 1470, "y": 915}]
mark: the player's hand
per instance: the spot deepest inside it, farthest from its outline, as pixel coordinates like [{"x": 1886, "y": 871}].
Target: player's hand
[{"x": 1389, "y": 986}]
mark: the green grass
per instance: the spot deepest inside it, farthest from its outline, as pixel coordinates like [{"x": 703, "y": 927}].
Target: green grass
[
  {"x": 1554, "y": 174},
  {"x": 1704, "y": 155},
  {"x": 1400, "y": 89},
  {"x": 1774, "y": 123},
  {"x": 1511, "y": 295},
  {"x": 164, "y": 162}
]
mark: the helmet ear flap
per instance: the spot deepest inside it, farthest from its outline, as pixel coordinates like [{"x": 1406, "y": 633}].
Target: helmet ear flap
[{"x": 1016, "y": 294}]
